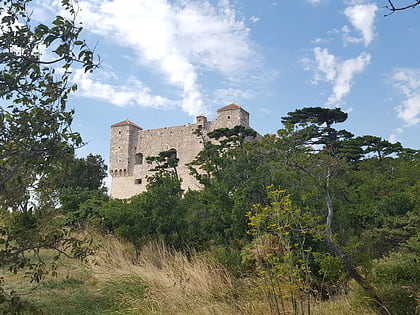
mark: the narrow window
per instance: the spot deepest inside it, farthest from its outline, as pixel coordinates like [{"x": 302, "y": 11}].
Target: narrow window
[
  {"x": 137, "y": 181},
  {"x": 139, "y": 158},
  {"x": 228, "y": 117}
]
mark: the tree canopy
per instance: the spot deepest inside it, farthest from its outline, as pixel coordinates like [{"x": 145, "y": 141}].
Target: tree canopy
[{"x": 36, "y": 139}]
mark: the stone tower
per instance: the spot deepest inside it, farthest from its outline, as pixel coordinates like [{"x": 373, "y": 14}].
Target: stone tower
[{"x": 130, "y": 145}]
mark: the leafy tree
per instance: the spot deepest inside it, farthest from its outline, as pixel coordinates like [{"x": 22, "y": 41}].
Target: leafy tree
[
  {"x": 231, "y": 182},
  {"x": 88, "y": 172},
  {"x": 321, "y": 169},
  {"x": 282, "y": 250},
  {"x": 215, "y": 153},
  {"x": 315, "y": 115},
  {"x": 79, "y": 180},
  {"x": 36, "y": 63},
  {"x": 166, "y": 161},
  {"x": 155, "y": 213}
]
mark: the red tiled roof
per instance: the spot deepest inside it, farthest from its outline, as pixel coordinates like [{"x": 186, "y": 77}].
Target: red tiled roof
[
  {"x": 125, "y": 123},
  {"x": 231, "y": 106}
]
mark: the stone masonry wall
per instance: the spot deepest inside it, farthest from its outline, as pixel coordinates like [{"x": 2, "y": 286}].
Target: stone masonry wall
[{"x": 130, "y": 145}]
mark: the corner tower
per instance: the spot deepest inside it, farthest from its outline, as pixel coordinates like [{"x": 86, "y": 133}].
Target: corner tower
[
  {"x": 124, "y": 137},
  {"x": 232, "y": 115}
]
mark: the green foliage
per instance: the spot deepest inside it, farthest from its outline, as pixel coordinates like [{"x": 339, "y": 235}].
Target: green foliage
[
  {"x": 397, "y": 277},
  {"x": 88, "y": 172},
  {"x": 35, "y": 135},
  {"x": 80, "y": 191},
  {"x": 153, "y": 214},
  {"x": 232, "y": 136},
  {"x": 88, "y": 211},
  {"x": 165, "y": 161},
  {"x": 330, "y": 279},
  {"x": 316, "y": 115},
  {"x": 232, "y": 259},
  {"x": 281, "y": 252},
  {"x": 34, "y": 124}
]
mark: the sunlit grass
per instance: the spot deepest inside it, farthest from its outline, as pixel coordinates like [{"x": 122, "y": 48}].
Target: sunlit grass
[{"x": 155, "y": 280}]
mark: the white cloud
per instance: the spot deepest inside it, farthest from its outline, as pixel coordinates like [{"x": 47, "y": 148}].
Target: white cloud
[
  {"x": 407, "y": 81},
  {"x": 393, "y": 138},
  {"x": 326, "y": 64},
  {"x": 319, "y": 40},
  {"x": 314, "y": 1},
  {"x": 133, "y": 92},
  {"x": 180, "y": 39},
  {"x": 231, "y": 95},
  {"x": 362, "y": 17},
  {"x": 340, "y": 73},
  {"x": 254, "y": 19},
  {"x": 346, "y": 70}
]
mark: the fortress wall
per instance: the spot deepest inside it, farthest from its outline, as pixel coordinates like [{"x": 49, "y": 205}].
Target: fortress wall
[
  {"x": 180, "y": 138},
  {"x": 128, "y": 141}
]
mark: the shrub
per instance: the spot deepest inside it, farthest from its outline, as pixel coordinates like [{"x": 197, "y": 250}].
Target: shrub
[{"x": 397, "y": 278}]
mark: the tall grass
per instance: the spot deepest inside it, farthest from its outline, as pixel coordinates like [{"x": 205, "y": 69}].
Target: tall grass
[
  {"x": 176, "y": 284},
  {"x": 155, "y": 280}
]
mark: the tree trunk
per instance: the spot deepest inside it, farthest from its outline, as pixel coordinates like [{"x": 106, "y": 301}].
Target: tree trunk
[{"x": 350, "y": 269}]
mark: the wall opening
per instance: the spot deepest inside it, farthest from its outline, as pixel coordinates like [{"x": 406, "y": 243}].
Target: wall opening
[
  {"x": 173, "y": 153},
  {"x": 138, "y": 181},
  {"x": 139, "y": 158}
]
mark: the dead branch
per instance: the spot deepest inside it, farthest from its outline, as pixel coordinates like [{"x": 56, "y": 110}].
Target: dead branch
[{"x": 392, "y": 8}]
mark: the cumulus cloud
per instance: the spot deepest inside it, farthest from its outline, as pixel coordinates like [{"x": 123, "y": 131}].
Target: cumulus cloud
[
  {"x": 340, "y": 73},
  {"x": 181, "y": 39},
  {"x": 362, "y": 18},
  {"x": 133, "y": 92},
  {"x": 407, "y": 81}
]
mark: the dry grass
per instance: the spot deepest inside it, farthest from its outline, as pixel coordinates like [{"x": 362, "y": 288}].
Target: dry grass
[
  {"x": 340, "y": 306},
  {"x": 176, "y": 284},
  {"x": 156, "y": 280}
]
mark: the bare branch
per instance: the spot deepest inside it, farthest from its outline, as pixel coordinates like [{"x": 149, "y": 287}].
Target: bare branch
[{"x": 392, "y": 8}]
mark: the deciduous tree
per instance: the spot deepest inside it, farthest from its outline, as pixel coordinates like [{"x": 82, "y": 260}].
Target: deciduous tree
[{"x": 36, "y": 62}]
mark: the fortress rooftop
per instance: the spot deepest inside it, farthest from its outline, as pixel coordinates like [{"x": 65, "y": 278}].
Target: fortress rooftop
[{"x": 126, "y": 123}]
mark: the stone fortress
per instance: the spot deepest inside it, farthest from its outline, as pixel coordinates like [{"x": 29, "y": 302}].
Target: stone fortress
[{"x": 130, "y": 145}]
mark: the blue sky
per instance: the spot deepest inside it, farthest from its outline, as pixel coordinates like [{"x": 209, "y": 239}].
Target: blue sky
[{"x": 164, "y": 62}]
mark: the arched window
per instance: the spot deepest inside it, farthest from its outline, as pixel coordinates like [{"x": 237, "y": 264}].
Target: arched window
[
  {"x": 173, "y": 153},
  {"x": 139, "y": 158}
]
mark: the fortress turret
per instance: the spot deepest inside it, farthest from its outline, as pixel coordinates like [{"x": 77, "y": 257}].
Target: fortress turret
[
  {"x": 124, "y": 137},
  {"x": 232, "y": 115}
]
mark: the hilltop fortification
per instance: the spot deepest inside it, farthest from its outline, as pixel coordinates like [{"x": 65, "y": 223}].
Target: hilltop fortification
[{"x": 130, "y": 145}]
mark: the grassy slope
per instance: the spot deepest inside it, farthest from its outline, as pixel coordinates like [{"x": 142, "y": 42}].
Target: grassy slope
[{"x": 157, "y": 281}]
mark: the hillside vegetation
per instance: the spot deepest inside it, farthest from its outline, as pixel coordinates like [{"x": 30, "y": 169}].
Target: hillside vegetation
[
  {"x": 310, "y": 220},
  {"x": 155, "y": 280}
]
